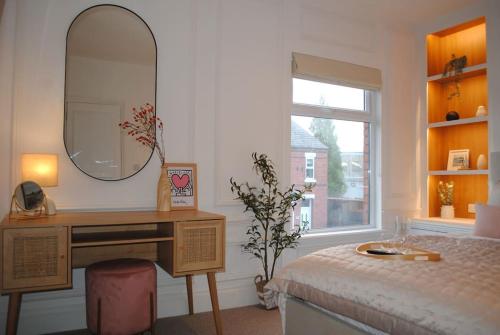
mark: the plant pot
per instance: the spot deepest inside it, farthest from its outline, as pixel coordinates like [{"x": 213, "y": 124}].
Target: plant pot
[
  {"x": 164, "y": 195},
  {"x": 447, "y": 212},
  {"x": 267, "y": 297}
]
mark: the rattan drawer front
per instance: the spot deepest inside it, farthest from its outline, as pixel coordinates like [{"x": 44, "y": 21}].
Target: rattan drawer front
[
  {"x": 35, "y": 257},
  {"x": 200, "y": 245}
]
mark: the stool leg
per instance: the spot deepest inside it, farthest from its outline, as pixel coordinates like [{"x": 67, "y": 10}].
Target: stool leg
[
  {"x": 13, "y": 313},
  {"x": 189, "y": 286},
  {"x": 99, "y": 317},
  {"x": 152, "y": 312},
  {"x": 212, "y": 285}
]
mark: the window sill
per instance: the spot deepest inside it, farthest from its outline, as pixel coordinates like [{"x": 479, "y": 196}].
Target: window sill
[{"x": 331, "y": 238}]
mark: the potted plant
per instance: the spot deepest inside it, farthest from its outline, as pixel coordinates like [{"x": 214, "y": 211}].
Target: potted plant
[
  {"x": 445, "y": 192},
  {"x": 271, "y": 210},
  {"x": 454, "y": 68}
]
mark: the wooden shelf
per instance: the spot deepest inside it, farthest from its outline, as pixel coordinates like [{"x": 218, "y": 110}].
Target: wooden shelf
[
  {"x": 458, "y": 173},
  {"x": 468, "y": 120},
  {"x": 441, "y": 140},
  {"x": 469, "y": 132},
  {"x": 114, "y": 238},
  {"x": 468, "y": 189},
  {"x": 473, "y": 93},
  {"x": 467, "y": 39},
  {"x": 470, "y": 71}
]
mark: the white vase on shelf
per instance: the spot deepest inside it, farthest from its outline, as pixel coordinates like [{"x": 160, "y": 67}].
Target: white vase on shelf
[
  {"x": 482, "y": 163},
  {"x": 447, "y": 212},
  {"x": 481, "y": 111}
]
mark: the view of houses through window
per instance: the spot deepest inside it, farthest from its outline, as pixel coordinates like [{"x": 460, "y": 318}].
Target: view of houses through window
[{"x": 330, "y": 158}]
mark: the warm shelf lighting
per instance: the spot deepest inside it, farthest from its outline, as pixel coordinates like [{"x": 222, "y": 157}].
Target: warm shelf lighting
[{"x": 40, "y": 168}]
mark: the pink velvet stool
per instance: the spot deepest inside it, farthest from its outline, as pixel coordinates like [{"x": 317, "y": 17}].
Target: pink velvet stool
[{"x": 121, "y": 297}]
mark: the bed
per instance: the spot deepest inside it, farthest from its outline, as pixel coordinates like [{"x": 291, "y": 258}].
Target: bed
[{"x": 336, "y": 291}]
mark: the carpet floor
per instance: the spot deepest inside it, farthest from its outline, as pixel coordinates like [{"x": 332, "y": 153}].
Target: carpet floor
[{"x": 249, "y": 320}]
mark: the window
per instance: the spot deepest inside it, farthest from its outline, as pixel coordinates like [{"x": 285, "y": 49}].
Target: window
[
  {"x": 320, "y": 94},
  {"x": 309, "y": 166},
  {"x": 332, "y": 127}
]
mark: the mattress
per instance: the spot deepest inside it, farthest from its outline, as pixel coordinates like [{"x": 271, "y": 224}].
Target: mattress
[{"x": 458, "y": 295}]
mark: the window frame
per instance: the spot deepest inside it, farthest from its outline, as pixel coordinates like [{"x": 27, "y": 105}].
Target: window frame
[{"x": 370, "y": 114}]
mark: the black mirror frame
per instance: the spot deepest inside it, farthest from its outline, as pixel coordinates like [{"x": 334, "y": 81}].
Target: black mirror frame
[{"x": 66, "y": 79}]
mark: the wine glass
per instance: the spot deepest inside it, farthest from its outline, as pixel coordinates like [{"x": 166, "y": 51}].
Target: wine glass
[{"x": 401, "y": 231}]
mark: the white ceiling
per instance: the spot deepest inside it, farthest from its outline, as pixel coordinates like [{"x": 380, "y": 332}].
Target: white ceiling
[
  {"x": 414, "y": 12},
  {"x": 400, "y": 12},
  {"x": 111, "y": 33}
]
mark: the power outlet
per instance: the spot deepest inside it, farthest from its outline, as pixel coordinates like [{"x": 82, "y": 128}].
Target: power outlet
[{"x": 472, "y": 208}]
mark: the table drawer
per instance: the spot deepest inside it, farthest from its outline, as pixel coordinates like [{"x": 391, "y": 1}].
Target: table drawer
[
  {"x": 35, "y": 257},
  {"x": 199, "y": 245}
]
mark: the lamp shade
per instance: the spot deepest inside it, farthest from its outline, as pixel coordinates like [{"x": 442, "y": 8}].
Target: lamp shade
[{"x": 40, "y": 168}]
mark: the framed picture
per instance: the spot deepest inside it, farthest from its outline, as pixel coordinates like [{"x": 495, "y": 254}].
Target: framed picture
[
  {"x": 458, "y": 160},
  {"x": 184, "y": 186}
]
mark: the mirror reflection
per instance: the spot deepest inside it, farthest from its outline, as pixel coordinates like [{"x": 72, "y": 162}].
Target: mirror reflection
[
  {"x": 29, "y": 196},
  {"x": 110, "y": 69}
]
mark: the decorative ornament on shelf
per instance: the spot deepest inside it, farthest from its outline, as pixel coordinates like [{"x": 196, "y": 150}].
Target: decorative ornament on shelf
[
  {"x": 481, "y": 111},
  {"x": 143, "y": 129},
  {"x": 454, "y": 68},
  {"x": 451, "y": 116},
  {"x": 445, "y": 192},
  {"x": 482, "y": 163}
]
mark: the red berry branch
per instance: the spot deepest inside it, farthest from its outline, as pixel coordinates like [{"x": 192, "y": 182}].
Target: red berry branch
[{"x": 143, "y": 129}]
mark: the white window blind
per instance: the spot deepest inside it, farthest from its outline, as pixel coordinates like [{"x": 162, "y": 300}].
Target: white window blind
[{"x": 335, "y": 72}]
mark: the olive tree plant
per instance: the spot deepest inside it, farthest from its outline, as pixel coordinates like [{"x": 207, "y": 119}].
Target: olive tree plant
[{"x": 271, "y": 210}]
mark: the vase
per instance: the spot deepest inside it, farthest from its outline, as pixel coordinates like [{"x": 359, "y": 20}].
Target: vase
[
  {"x": 481, "y": 111},
  {"x": 267, "y": 298},
  {"x": 447, "y": 212},
  {"x": 164, "y": 195},
  {"x": 481, "y": 162}
]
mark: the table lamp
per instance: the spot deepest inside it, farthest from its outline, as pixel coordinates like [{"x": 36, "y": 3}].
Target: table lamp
[{"x": 42, "y": 169}]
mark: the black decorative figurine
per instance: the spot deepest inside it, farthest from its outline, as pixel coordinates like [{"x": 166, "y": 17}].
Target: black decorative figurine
[{"x": 450, "y": 116}]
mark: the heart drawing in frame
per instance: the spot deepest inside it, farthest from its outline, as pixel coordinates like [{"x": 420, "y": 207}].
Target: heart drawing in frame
[
  {"x": 180, "y": 182},
  {"x": 183, "y": 185}
]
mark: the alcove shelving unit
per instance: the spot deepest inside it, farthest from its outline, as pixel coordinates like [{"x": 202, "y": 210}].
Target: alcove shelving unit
[{"x": 469, "y": 132}]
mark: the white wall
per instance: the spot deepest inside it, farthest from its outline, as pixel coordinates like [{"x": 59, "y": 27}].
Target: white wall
[
  {"x": 7, "y": 45},
  {"x": 224, "y": 90}
]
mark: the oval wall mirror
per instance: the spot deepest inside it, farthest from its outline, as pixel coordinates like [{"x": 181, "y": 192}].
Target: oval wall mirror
[{"x": 110, "y": 69}]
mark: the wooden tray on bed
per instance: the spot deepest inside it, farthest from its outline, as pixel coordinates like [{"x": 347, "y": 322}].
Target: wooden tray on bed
[{"x": 410, "y": 253}]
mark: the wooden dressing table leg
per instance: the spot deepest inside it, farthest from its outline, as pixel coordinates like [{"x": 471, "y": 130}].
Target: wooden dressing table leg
[
  {"x": 212, "y": 285},
  {"x": 13, "y": 313},
  {"x": 189, "y": 286}
]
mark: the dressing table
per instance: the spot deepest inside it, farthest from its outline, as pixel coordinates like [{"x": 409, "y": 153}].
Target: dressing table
[{"x": 38, "y": 254}]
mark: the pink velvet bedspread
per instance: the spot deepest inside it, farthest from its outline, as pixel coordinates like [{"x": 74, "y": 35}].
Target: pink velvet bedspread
[{"x": 459, "y": 295}]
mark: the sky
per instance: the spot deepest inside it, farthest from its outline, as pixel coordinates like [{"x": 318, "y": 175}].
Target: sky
[{"x": 349, "y": 133}]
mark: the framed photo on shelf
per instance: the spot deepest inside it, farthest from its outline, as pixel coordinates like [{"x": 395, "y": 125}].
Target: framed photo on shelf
[
  {"x": 458, "y": 160},
  {"x": 183, "y": 185}
]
